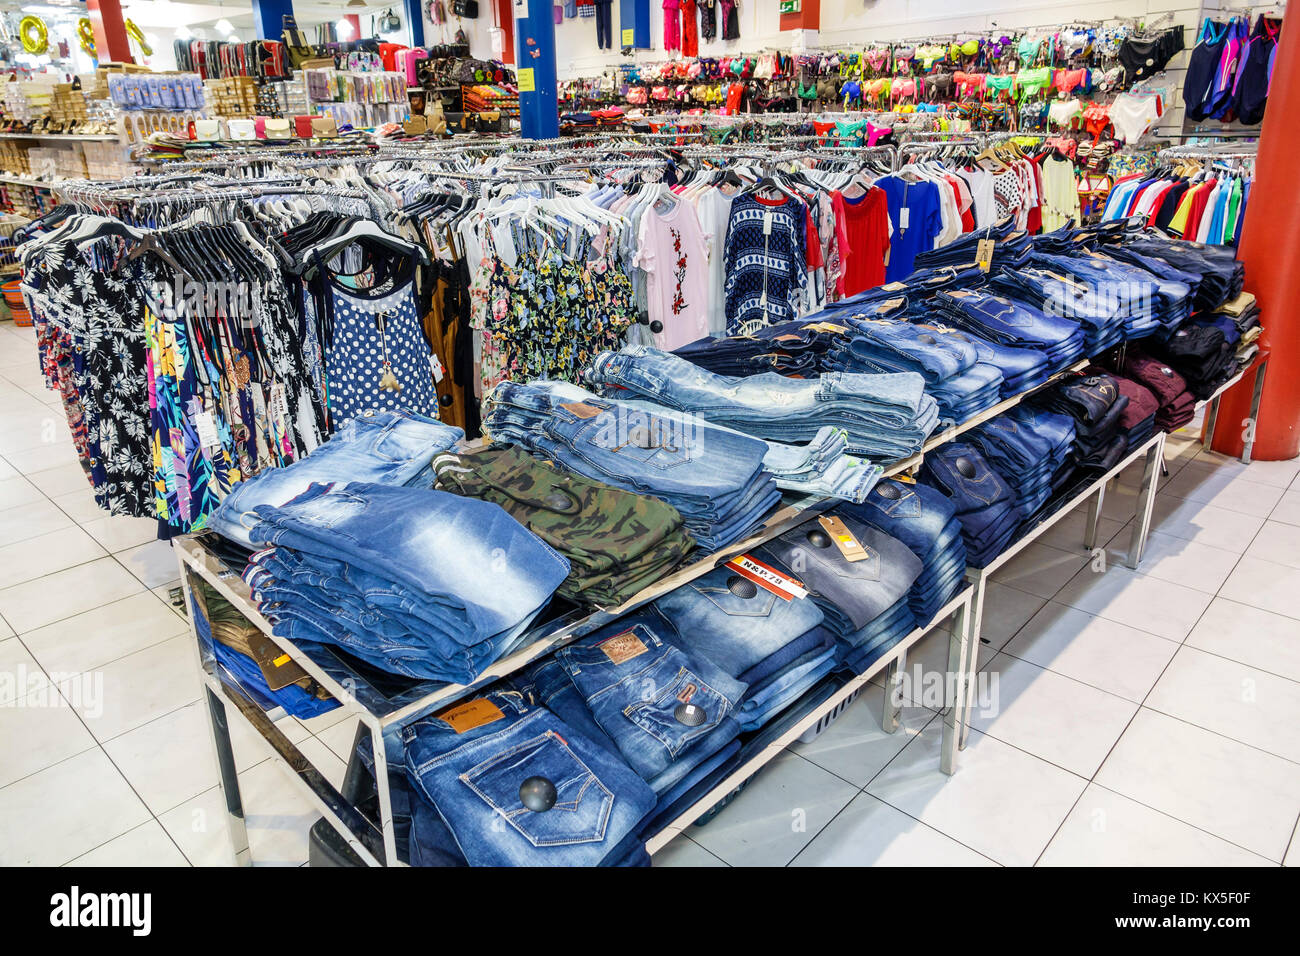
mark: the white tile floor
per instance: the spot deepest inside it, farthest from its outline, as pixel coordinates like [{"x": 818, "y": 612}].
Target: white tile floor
[{"x": 1143, "y": 717}]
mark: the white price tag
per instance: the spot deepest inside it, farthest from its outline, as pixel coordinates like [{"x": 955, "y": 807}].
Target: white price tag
[
  {"x": 904, "y": 218},
  {"x": 438, "y": 370},
  {"x": 206, "y": 426},
  {"x": 767, "y": 223}
]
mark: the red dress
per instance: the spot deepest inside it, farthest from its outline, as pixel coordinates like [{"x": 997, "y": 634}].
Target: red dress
[{"x": 690, "y": 30}]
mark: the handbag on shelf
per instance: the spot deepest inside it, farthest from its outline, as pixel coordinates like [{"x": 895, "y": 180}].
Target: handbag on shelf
[
  {"x": 295, "y": 42},
  {"x": 465, "y": 9}
]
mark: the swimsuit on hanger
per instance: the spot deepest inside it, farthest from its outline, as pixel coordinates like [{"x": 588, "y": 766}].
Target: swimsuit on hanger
[{"x": 1133, "y": 115}]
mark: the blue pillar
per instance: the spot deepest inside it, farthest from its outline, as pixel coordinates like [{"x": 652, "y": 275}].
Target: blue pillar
[
  {"x": 634, "y": 15},
  {"x": 538, "y": 108},
  {"x": 415, "y": 20},
  {"x": 268, "y": 17}
]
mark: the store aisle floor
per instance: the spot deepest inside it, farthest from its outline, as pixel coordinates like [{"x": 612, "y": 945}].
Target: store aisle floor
[{"x": 1136, "y": 718}]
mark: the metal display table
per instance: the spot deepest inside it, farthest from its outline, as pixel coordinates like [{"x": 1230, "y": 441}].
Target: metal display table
[
  {"x": 1259, "y": 367},
  {"x": 1152, "y": 451},
  {"x": 379, "y": 708}
]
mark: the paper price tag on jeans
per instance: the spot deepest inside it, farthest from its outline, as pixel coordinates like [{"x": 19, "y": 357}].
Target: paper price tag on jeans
[
  {"x": 773, "y": 580},
  {"x": 984, "y": 254},
  {"x": 844, "y": 539},
  {"x": 206, "y": 426}
]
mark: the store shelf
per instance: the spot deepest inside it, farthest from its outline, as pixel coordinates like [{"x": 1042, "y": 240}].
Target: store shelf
[
  {"x": 65, "y": 137},
  {"x": 20, "y": 181}
]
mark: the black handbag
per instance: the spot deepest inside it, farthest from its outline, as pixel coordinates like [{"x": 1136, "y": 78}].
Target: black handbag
[{"x": 465, "y": 9}]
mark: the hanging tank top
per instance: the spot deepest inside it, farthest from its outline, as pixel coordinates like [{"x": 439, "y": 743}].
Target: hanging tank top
[{"x": 377, "y": 342}]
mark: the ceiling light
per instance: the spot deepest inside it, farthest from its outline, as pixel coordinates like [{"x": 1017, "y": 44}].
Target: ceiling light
[
  {"x": 345, "y": 29},
  {"x": 356, "y": 3},
  {"x": 183, "y": 32},
  {"x": 224, "y": 26}
]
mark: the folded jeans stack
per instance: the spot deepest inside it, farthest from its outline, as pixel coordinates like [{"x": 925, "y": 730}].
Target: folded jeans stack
[
  {"x": 925, "y": 520},
  {"x": 393, "y": 447},
  {"x": 1016, "y": 324},
  {"x": 1056, "y": 293},
  {"x": 368, "y": 568},
  {"x": 776, "y": 644},
  {"x": 616, "y": 542},
  {"x": 946, "y": 359},
  {"x": 1025, "y": 445},
  {"x": 885, "y": 417},
  {"x": 1138, "y": 420},
  {"x": 859, "y": 576},
  {"x": 1204, "y": 353},
  {"x": 983, "y": 502},
  {"x": 743, "y": 355},
  {"x": 514, "y": 785},
  {"x": 713, "y": 477},
  {"x": 1096, "y": 405}
]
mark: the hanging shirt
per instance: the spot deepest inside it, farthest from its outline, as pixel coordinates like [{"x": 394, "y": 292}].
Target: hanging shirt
[
  {"x": 866, "y": 232},
  {"x": 765, "y": 262},
  {"x": 915, "y": 214},
  {"x": 714, "y": 210},
  {"x": 676, "y": 260}
]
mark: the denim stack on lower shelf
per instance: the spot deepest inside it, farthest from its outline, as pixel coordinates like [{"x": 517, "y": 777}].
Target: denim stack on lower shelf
[
  {"x": 1095, "y": 403},
  {"x": 1244, "y": 313},
  {"x": 884, "y": 417},
  {"x": 983, "y": 502},
  {"x": 1018, "y": 324},
  {"x": 859, "y": 576},
  {"x": 925, "y": 520},
  {"x": 776, "y": 644},
  {"x": 713, "y": 477},
  {"x": 500, "y": 781},
  {"x": 1025, "y": 445},
  {"x": 364, "y": 567},
  {"x": 1058, "y": 294},
  {"x": 946, "y": 359}
]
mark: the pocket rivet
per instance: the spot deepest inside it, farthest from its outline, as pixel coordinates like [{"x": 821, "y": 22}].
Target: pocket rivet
[
  {"x": 537, "y": 794},
  {"x": 689, "y": 715}
]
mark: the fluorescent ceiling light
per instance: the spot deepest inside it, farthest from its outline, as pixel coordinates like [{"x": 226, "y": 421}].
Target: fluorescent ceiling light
[
  {"x": 344, "y": 28},
  {"x": 224, "y": 26}
]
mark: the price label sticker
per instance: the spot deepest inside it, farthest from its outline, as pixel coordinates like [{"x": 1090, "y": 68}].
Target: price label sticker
[
  {"x": 768, "y": 578},
  {"x": 527, "y": 80},
  {"x": 206, "y": 426},
  {"x": 628, "y": 37}
]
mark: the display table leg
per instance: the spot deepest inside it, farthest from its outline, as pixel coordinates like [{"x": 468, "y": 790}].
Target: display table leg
[
  {"x": 1146, "y": 502},
  {"x": 961, "y": 669},
  {"x": 892, "y": 708},
  {"x": 1247, "y": 447}
]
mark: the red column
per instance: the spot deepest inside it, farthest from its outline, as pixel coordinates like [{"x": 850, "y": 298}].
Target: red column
[
  {"x": 506, "y": 20},
  {"x": 1270, "y": 248},
  {"x": 111, "y": 44},
  {"x": 355, "y": 20}
]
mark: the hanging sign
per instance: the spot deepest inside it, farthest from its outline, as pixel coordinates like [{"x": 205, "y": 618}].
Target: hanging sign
[{"x": 791, "y": 6}]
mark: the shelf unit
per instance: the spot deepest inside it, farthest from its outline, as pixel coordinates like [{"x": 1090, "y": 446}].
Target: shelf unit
[{"x": 65, "y": 137}]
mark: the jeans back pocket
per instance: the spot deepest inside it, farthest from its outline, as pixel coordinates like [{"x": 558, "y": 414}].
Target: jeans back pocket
[
  {"x": 680, "y": 712},
  {"x": 582, "y": 804}
]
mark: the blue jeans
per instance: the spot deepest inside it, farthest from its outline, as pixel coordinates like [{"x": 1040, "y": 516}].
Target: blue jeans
[
  {"x": 850, "y": 593},
  {"x": 636, "y": 686},
  {"x": 473, "y": 763},
  {"x": 884, "y": 416},
  {"x": 384, "y": 447},
  {"x": 404, "y": 535},
  {"x": 733, "y": 622}
]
